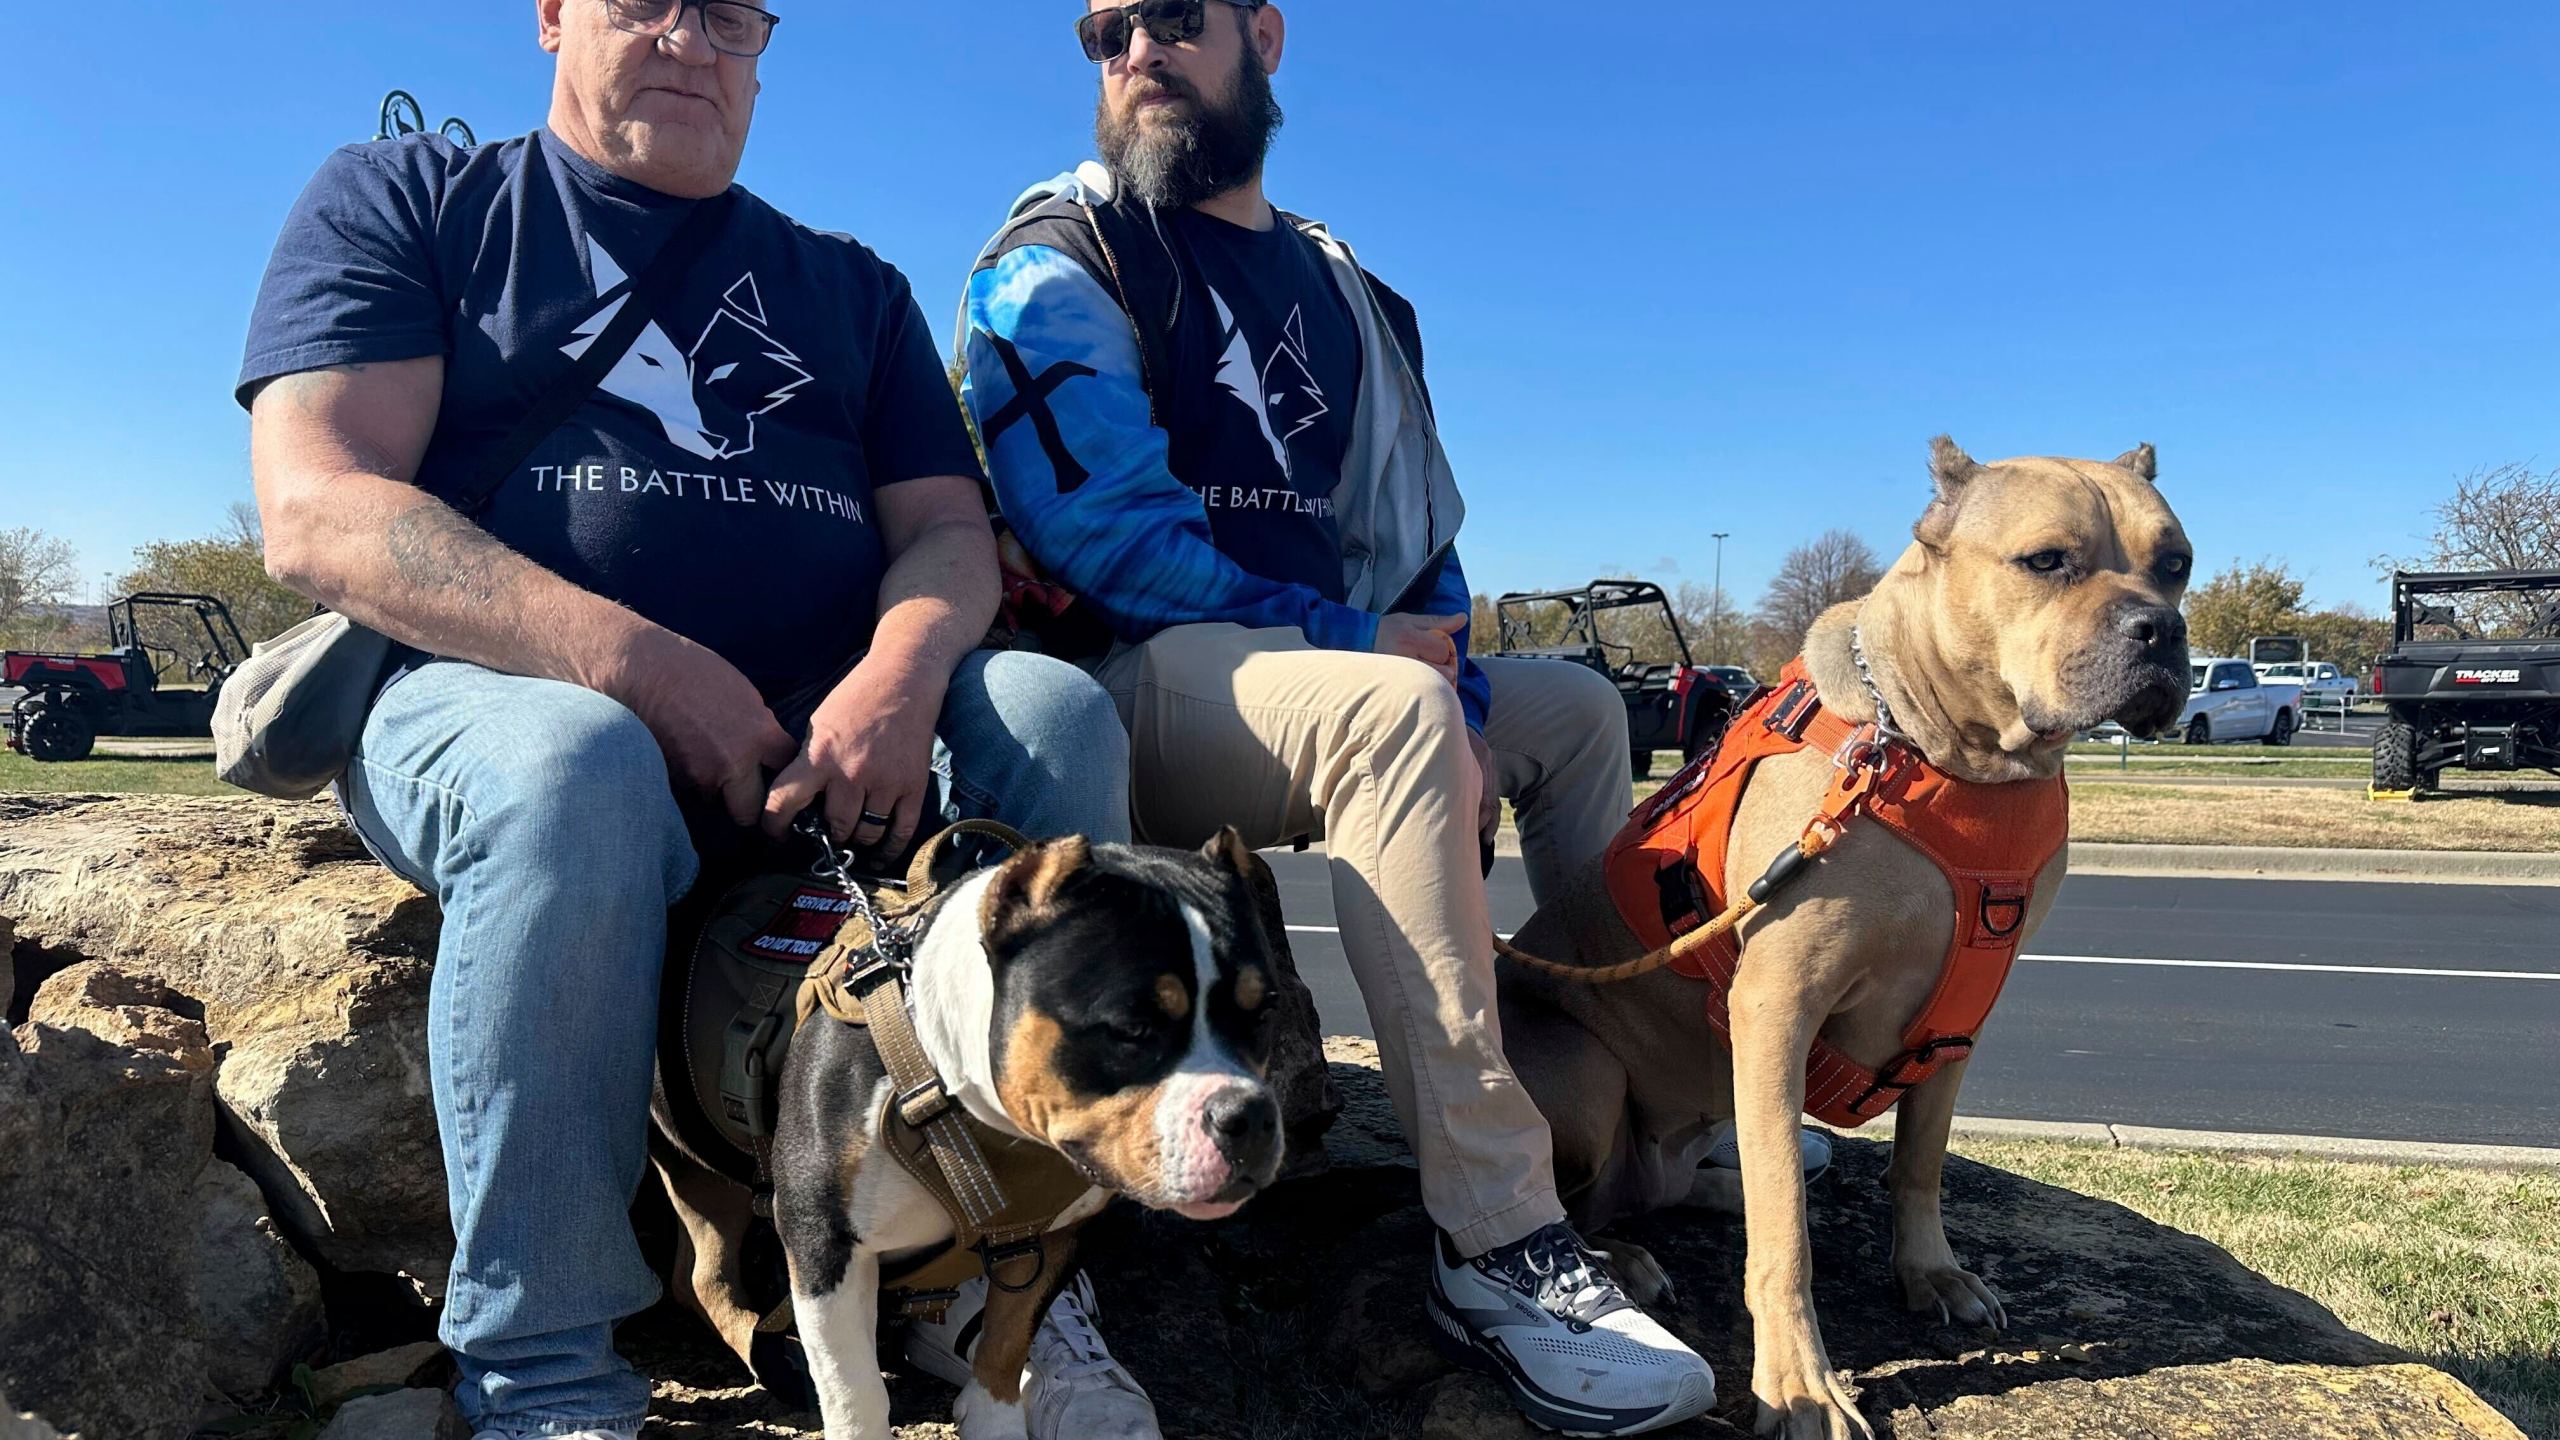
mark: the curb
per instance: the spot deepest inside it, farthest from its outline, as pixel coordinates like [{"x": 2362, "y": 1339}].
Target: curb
[
  {"x": 2452, "y": 867},
  {"x": 2232, "y": 1142}
]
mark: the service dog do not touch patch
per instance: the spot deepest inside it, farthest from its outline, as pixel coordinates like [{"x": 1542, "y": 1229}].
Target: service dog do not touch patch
[{"x": 803, "y": 926}]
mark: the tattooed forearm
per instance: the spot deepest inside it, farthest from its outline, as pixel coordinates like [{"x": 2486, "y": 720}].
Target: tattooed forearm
[{"x": 436, "y": 549}]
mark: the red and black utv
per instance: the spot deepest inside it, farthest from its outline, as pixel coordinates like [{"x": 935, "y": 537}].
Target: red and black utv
[
  {"x": 1673, "y": 704},
  {"x": 68, "y": 701}
]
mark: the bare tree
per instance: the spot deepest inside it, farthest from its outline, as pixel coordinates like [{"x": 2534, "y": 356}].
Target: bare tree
[
  {"x": 1832, "y": 567},
  {"x": 2504, "y": 517},
  {"x": 37, "y": 572}
]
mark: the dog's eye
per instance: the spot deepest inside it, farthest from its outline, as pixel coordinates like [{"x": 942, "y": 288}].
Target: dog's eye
[
  {"x": 2176, "y": 566},
  {"x": 2046, "y": 562},
  {"x": 1133, "y": 1032}
]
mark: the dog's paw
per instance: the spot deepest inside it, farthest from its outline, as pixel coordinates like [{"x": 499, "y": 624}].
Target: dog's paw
[
  {"x": 1806, "y": 1402},
  {"x": 1955, "y": 1293},
  {"x": 1639, "y": 1274},
  {"x": 979, "y": 1415}
]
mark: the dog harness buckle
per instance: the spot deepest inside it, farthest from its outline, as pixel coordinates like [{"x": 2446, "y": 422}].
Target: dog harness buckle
[
  {"x": 924, "y": 1103},
  {"x": 1912, "y": 1066}
]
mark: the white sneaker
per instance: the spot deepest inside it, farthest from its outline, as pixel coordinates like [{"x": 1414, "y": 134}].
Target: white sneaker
[
  {"x": 1546, "y": 1318},
  {"x": 1072, "y": 1389},
  {"x": 1724, "y": 1150}
]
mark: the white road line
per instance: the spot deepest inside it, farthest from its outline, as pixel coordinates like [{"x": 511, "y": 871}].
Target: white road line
[{"x": 2203, "y": 964}]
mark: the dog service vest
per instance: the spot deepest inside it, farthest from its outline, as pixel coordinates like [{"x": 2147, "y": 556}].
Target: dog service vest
[{"x": 1666, "y": 874}]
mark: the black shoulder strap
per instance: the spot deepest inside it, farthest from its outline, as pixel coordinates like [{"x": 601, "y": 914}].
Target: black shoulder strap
[{"x": 554, "y": 406}]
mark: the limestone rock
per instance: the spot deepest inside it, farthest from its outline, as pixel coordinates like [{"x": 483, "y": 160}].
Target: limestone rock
[
  {"x": 122, "y": 1009},
  {"x": 97, "y": 1229},
  {"x": 16, "y": 1424},
  {"x": 400, "y": 1415},
  {"x": 257, "y": 1300},
  {"x": 308, "y": 964},
  {"x": 2235, "y": 1400},
  {"x": 421, "y": 1363}
]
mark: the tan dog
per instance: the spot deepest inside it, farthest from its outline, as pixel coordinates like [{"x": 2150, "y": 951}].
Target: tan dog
[{"x": 2038, "y": 599}]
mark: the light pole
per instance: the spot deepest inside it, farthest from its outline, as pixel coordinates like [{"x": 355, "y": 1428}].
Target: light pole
[{"x": 1721, "y": 536}]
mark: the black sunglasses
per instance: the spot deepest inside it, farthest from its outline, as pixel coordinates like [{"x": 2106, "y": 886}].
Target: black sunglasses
[{"x": 1106, "y": 33}]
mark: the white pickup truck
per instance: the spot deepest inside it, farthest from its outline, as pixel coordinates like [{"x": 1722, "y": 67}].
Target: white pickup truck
[
  {"x": 2227, "y": 701},
  {"x": 2319, "y": 679}
]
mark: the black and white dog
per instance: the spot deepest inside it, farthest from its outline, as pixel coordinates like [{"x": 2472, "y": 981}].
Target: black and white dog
[{"x": 1107, "y": 1002}]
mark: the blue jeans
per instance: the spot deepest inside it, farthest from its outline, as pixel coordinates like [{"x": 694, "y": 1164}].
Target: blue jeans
[{"x": 539, "y": 816}]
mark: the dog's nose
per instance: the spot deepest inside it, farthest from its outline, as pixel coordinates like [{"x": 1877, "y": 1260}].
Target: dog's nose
[
  {"x": 2156, "y": 628},
  {"x": 1245, "y": 1123}
]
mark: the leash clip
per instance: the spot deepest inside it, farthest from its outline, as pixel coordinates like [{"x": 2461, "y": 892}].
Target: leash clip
[{"x": 1869, "y": 747}]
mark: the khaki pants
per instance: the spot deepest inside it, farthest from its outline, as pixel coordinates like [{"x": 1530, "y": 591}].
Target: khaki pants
[{"x": 1368, "y": 753}]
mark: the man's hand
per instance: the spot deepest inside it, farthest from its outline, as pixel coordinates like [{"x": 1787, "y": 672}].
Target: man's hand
[
  {"x": 1489, "y": 801},
  {"x": 1431, "y": 639},
  {"x": 870, "y": 750},
  {"x": 717, "y": 734}
]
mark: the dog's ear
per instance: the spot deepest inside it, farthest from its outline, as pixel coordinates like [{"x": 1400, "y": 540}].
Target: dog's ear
[
  {"x": 1027, "y": 886},
  {"x": 1227, "y": 850},
  {"x": 1952, "y": 470},
  {"x": 2142, "y": 460}
]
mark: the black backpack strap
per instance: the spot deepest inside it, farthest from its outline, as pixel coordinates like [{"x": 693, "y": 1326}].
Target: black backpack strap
[{"x": 555, "y": 405}]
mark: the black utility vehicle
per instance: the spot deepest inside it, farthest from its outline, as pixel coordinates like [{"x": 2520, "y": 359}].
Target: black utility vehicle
[
  {"x": 2472, "y": 679},
  {"x": 1671, "y": 705},
  {"x": 71, "y": 700}
]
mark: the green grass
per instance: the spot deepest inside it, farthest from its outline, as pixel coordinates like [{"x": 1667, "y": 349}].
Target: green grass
[
  {"x": 112, "y": 775},
  {"x": 2456, "y": 1266},
  {"x": 2174, "y": 751},
  {"x": 2348, "y": 765}
]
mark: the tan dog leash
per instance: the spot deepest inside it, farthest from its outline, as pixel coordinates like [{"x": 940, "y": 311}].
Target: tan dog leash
[{"x": 1820, "y": 834}]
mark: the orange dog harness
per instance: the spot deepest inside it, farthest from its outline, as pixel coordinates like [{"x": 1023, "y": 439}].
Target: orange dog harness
[{"x": 1666, "y": 873}]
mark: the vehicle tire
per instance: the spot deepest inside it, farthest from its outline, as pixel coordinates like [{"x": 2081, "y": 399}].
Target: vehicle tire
[
  {"x": 2395, "y": 757},
  {"x": 2282, "y": 734},
  {"x": 2199, "y": 731},
  {"x": 55, "y": 734}
]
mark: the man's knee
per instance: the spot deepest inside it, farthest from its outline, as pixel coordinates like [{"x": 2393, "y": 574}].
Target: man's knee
[
  {"x": 1405, "y": 701},
  {"x": 1037, "y": 743},
  {"x": 586, "y": 779},
  {"x": 1053, "y": 708}
]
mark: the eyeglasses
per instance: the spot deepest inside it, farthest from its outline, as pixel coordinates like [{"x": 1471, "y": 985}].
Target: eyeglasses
[
  {"x": 732, "y": 28},
  {"x": 1106, "y": 33}
]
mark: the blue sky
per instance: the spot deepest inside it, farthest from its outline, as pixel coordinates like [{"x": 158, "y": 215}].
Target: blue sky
[{"x": 1702, "y": 267}]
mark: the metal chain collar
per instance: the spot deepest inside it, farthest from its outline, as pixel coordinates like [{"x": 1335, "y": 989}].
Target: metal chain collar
[
  {"x": 1867, "y": 678},
  {"x": 888, "y": 941}
]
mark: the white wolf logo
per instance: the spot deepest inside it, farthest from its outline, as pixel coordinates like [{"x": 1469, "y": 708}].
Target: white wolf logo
[
  {"x": 735, "y": 365},
  {"x": 1284, "y": 391}
]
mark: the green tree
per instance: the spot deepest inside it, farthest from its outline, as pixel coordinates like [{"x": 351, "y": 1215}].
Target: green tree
[
  {"x": 2347, "y": 637},
  {"x": 230, "y": 566},
  {"x": 2261, "y": 598}
]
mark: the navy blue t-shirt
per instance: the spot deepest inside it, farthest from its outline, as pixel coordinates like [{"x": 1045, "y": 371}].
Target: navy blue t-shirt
[
  {"x": 1287, "y": 386},
  {"x": 722, "y": 479}
]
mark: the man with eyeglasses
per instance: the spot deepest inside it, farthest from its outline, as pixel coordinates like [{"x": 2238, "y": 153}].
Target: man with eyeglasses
[
  {"x": 767, "y": 509},
  {"x": 1206, "y": 421}
]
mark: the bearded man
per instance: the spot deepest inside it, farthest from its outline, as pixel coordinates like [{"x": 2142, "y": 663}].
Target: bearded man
[{"x": 1208, "y": 422}]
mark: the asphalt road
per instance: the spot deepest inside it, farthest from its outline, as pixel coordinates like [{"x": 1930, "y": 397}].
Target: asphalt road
[{"x": 2252, "y": 1005}]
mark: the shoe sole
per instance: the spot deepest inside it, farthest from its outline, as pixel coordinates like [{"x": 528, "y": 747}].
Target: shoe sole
[{"x": 1461, "y": 1347}]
